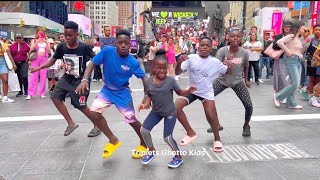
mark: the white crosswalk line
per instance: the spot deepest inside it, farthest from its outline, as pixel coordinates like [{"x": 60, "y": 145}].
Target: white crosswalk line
[{"x": 285, "y": 117}]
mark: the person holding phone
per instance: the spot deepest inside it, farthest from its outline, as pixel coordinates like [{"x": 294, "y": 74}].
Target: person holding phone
[{"x": 41, "y": 45}]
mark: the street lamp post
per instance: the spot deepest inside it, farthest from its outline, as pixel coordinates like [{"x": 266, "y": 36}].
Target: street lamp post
[{"x": 300, "y": 10}]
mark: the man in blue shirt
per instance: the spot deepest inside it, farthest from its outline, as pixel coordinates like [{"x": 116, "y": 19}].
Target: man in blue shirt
[
  {"x": 107, "y": 40},
  {"x": 118, "y": 67}
]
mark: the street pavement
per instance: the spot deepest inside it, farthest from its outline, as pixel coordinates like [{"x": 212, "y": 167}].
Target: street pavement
[{"x": 32, "y": 145}]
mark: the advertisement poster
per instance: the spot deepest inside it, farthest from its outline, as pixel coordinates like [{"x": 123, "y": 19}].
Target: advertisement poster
[
  {"x": 114, "y": 30},
  {"x": 134, "y": 43},
  {"x": 82, "y": 21},
  {"x": 276, "y": 22},
  {"x": 314, "y": 16},
  {"x": 141, "y": 24}
]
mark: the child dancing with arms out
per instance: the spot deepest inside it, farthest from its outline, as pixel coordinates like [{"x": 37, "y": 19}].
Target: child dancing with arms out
[{"x": 160, "y": 92}]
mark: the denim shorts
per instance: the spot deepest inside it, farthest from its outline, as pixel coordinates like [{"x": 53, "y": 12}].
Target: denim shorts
[{"x": 3, "y": 66}]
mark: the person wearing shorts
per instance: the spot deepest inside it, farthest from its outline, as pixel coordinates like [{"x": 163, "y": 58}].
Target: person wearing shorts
[
  {"x": 78, "y": 53},
  {"x": 118, "y": 68},
  {"x": 202, "y": 70}
]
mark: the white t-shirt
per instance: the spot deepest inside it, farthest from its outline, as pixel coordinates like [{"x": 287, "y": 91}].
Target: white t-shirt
[
  {"x": 202, "y": 72},
  {"x": 96, "y": 49},
  {"x": 253, "y": 55},
  {"x": 183, "y": 26},
  {"x": 56, "y": 64}
]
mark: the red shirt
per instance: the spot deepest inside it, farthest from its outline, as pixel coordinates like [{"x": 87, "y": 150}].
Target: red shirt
[{"x": 21, "y": 55}]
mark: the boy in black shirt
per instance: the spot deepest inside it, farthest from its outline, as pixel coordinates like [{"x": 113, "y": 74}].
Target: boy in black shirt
[{"x": 78, "y": 53}]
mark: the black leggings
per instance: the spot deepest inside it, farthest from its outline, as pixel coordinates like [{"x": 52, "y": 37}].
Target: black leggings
[
  {"x": 255, "y": 65},
  {"x": 242, "y": 93}
]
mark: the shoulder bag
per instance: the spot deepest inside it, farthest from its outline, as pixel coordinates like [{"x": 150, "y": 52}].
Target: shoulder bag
[{"x": 274, "y": 54}]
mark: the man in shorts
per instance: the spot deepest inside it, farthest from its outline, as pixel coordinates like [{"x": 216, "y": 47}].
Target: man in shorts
[
  {"x": 118, "y": 67},
  {"x": 79, "y": 53}
]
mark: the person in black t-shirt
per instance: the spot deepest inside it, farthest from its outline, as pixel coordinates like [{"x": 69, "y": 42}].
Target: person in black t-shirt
[{"x": 78, "y": 53}]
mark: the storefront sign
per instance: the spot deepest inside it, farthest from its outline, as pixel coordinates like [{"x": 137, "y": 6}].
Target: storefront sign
[
  {"x": 4, "y": 34},
  {"x": 134, "y": 43},
  {"x": 162, "y": 15},
  {"x": 114, "y": 30},
  {"x": 79, "y": 5}
]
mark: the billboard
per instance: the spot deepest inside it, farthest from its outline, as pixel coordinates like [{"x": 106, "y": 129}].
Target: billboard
[
  {"x": 4, "y": 34},
  {"x": 82, "y": 21},
  {"x": 12, "y": 6},
  {"x": 276, "y": 24},
  {"x": 163, "y": 14},
  {"x": 314, "y": 16},
  {"x": 114, "y": 29},
  {"x": 297, "y": 4}
]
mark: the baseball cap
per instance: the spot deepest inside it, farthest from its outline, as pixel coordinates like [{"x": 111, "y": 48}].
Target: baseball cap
[
  {"x": 287, "y": 23},
  {"x": 19, "y": 35}
]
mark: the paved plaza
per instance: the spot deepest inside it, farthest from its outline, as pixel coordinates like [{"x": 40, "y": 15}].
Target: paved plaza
[{"x": 282, "y": 146}]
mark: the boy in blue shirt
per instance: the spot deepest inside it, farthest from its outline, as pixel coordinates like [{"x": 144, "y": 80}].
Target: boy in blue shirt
[{"x": 118, "y": 67}]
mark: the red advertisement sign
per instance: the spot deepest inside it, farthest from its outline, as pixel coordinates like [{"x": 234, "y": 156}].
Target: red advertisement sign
[
  {"x": 114, "y": 30},
  {"x": 314, "y": 17},
  {"x": 141, "y": 24}
]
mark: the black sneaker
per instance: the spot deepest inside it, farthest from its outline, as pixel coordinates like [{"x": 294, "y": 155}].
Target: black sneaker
[
  {"x": 19, "y": 94},
  {"x": 210, "y": 130},
  {"x": 246, "y": 132}
]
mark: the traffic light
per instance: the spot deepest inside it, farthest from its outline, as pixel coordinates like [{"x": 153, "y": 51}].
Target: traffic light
[{"x": 21, "y": 22}]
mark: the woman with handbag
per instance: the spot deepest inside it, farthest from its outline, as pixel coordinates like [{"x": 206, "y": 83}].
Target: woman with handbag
[
  {"x": 293, "y": 48},
  {"x": 254, "y": 48},
  {"x": 4, "y": 70},
  {"x": 42, "y": 47},
  {"x": 279, "y": 70}
]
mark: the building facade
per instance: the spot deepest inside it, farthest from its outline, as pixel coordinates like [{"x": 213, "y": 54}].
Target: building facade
[
  {"x": 104, "y": 13},
  {"x": 53, "y": 10},
  {"x": 235, "y": 17},
  {"x": 252, "y": 8},
  {"x": 26, "y": 16},
  {"x": 125, "y": 13}
]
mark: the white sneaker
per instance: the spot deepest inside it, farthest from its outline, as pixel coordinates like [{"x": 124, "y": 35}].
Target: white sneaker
[
  {"x": 0, "y": 97},
  {"x": 250, "y": 79},
  {"x": 43, "y": 96},
  {"x": 94, "y": 80},
  {"x": 284, "y": 101},
  {"x": 314, "y": 102},
  {"x": 28, "y": 97},
  {"x": 5, "y": 99},
  {"x": 296, "y": 107},
  {"x": 260, "y": 80},
  {"x": 276, "y": 102},
  {"x": 176, "y": 78}
]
